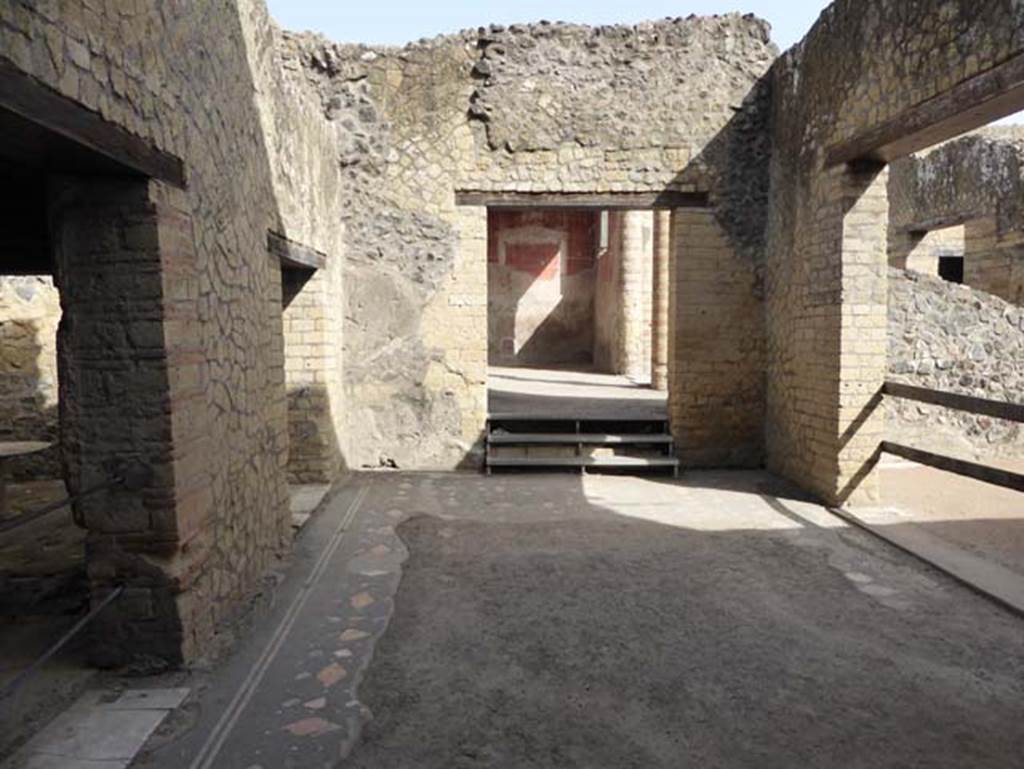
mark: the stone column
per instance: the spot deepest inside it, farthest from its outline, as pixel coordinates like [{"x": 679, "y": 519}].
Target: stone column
[
  {"x": 863, "y": 332},
  {"x": 132, "y": 376},
  {"x": 637, "y": 232},
  {"x": 660, "y": 291}
]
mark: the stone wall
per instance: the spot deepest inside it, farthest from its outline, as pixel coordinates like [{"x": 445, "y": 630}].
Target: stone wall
[
  {"x": 978, "y": 175},
  {"x": 922, "y": 251},
  {"x": 540, "y": 287},
  {"x": 863, "y": 63},
  {"x": 994, "y": 261},
  {"x": 29, "y": 313},
  {"x": 202, "y": 82},
  {"x": 977, "y": 180},
  {"x": 955, "y": 339},
  {"x": 520, "y": 109},
  {"x": 308, "y": 195}
]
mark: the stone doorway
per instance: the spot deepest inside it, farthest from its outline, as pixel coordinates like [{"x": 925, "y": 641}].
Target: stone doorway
[
  {"x": 95, "y": 254},
  {"x": 571, "y": 306},
  {"x": 570, "y": 322}
]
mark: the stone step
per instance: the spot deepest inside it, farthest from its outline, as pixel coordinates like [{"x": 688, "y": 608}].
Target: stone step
[
  {"x": 609, "y": 462},
  {"x": 527, "y": 442},
  {"x": 574, "y": 425},
  {"x": 525, "y": 416},
  {"x": 572, "y": 439},
  {"x": 556, "y": 450}
]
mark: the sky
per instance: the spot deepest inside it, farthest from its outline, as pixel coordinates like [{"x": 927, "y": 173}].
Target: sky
[{"x": 396, "y": 22}]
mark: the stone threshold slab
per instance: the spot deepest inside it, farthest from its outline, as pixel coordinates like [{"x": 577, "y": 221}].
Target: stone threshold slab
[
  {"x": 101, "y": 730},
  {"x": 992, "y": 580},
  {"x": 304, "y": 499}
]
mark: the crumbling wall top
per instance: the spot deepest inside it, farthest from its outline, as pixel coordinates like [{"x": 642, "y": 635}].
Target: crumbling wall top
[
  {"x": 980, "y": 175},
  {"x": 540, "y": 86}
]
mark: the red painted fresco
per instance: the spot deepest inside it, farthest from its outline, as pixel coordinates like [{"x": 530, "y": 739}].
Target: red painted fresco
[
  {"x": 579, "y": 227},
  {"x": 538, "y": 259}
]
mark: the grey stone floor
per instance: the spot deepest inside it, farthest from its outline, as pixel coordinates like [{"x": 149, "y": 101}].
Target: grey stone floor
[
  {"x": 558, "y": 621},
  {"x": 558, "y": 392}
]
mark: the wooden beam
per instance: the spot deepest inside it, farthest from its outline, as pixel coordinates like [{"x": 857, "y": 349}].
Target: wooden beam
[
  {"x": 293, "y": 254},
  {"x": 598, "y": 201},
  {"x": 983, "y": 473},
  {"x": 52, "y": 112},
  {"x": 1014, "y": 412},
  {"x": 975, "y": 102},
  {"x": 19, "y": 256},
  {"x": 924, "y": 226}
]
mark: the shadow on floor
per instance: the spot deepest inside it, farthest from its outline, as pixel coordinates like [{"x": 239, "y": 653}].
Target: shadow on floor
[{"x": 613, "y": 622}]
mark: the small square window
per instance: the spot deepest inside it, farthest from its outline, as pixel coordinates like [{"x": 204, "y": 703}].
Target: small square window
[{"x": 951, "y": 268}]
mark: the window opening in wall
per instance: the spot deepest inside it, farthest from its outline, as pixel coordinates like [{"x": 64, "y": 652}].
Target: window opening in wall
[
  {"x": 953, "y": 219},
  {"x": 951, "y": 268}
]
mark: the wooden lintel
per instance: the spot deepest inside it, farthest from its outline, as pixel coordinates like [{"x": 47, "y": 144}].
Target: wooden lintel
[
  {"x": 984, "y": 473},
  {"x": 924, "y": 226},
  {"x": 977, "y": 101},
  {"x": 294, "y": 254},
  {"x": 598, "y": 201},
  {"x": 71, "y": 122},
  {"x": 25, "y": 257}
]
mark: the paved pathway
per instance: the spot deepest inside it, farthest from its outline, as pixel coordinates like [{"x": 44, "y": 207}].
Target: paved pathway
[{"x": 553, "y": 621}]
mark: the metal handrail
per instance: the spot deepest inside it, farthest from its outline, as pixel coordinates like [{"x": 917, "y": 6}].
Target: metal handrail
[
  {"x": 19, "y": 680},
  {"x": 33, "y": 515},
  {"x": 133, "y": 477}
]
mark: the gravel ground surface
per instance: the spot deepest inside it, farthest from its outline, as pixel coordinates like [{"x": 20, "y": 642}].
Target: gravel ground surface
[{"x": 549, "y": 621}]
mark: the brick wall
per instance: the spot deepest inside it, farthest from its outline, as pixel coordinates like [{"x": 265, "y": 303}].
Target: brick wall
[
  {"x": 825, "y": 276},
  {"x": 977, "y": 180},
  {"x": 716, "y": 344},
  {"x": 994, "y": 260},
  {"x": 313, "y": 328},
  {"x": 921, "y": 252}
]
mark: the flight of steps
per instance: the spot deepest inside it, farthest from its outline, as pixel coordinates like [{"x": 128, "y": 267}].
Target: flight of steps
[{"x": 547, "y": 443}]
